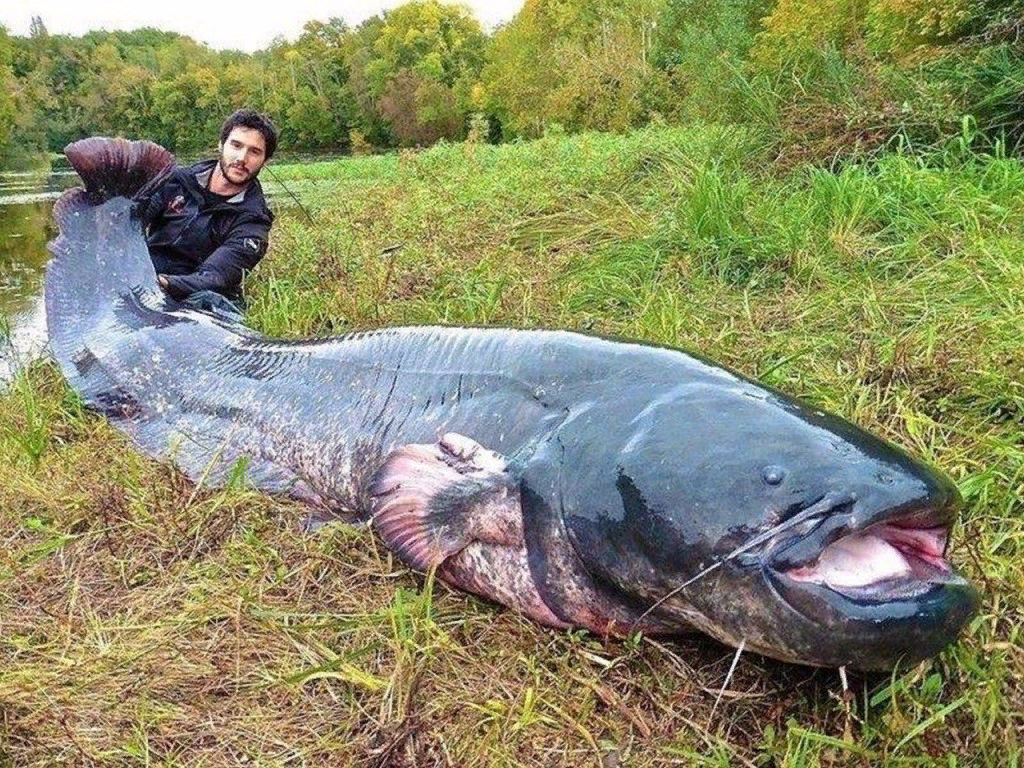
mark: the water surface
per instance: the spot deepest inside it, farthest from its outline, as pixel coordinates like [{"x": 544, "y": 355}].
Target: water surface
[{"x": 26, "y": 202}]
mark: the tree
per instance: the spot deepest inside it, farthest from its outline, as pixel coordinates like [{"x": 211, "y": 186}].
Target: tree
[
  {"x": 419, "y": 109},
  {"x": 580, "y": 63},
  {"x": 320, "y": 110},
  {"x": 424, "y": 56},
  {"x": 115, "y": 96},
  {"x": 7, "y": 86}
]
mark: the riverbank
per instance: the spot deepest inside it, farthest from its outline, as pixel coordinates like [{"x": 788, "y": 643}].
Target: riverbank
[{"x": 145, "y": 619}]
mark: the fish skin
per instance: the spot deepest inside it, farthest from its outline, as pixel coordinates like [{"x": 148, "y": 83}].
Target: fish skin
[{"x": 610, "y": 473}]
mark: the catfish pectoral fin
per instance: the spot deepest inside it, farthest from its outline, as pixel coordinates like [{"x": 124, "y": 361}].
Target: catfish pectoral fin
[
  {"x": 432, "y": 500},
  {"x": 453, "y": 505},
  {"x": 470, "y": 456}
]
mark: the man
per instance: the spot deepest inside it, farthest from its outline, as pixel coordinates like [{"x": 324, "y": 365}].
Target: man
[{"x": 208, "y": 224}]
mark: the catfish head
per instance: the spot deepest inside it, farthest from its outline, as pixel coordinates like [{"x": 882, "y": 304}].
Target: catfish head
[{"x": 742, "y": 512}]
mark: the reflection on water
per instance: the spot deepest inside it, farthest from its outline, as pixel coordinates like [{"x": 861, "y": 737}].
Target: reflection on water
[
  {"x": 22, "y": 340},
  {"x": 26, "y": 200},
  {"x": 24, "y": 230},
  {"x": 34, "y": 186}
]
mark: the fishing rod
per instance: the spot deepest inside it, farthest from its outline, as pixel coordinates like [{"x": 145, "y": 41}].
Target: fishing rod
[
  {"x": 386, "y": 251},
  {"x": 290, "y": 193}
]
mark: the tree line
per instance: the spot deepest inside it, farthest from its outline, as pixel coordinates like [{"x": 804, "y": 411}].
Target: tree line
[{"x": 821, "y": 76}]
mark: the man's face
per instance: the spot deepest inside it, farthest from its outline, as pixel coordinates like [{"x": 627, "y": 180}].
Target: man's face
[{"x": 242, "y": 155}]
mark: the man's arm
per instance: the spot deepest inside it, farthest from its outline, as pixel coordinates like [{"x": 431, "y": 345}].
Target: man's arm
[{"x": 223, "y": 269}]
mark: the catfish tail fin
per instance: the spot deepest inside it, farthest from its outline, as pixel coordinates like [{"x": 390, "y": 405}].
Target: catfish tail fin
[
  {"x": 118, "y": 167},
  {"x": 101, "y": 282}
]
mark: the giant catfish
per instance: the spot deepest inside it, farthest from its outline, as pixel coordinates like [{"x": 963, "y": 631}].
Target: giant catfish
[{"x": 586, "y": 482}]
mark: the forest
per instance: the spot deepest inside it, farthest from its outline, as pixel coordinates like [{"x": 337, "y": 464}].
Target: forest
[{"x": 819, "y": 78}]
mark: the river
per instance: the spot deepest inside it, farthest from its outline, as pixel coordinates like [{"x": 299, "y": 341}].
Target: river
[{"x": 26, "y": 201}]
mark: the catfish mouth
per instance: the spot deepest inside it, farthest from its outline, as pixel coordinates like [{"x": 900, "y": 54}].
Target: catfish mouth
[
  {"x": 888, "y": 561},
  {"x": 899, "y": 555},
  {"x": 870, "y": 595}
]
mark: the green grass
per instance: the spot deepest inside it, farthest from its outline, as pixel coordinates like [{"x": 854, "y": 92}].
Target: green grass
[{"x": 147, "y": 622}]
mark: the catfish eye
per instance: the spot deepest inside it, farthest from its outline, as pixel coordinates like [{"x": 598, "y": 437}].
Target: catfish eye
[{"x": 773, "y": 475}]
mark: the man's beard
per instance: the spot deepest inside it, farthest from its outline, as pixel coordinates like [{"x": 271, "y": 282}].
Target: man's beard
[{"x": 224, "y": 170}]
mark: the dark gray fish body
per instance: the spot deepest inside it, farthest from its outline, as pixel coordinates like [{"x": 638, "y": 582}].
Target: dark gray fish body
[{"x": 584, "y": 481}]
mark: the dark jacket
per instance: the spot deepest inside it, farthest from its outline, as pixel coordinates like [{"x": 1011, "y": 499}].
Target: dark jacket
[{"x": 200, "y": 240}]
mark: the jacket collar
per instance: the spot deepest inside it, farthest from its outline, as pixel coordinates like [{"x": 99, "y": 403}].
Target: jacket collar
[{"x": 203, "y": 179}]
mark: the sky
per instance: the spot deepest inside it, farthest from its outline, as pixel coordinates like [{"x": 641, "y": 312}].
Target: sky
[{"x": 246, "y": 25}]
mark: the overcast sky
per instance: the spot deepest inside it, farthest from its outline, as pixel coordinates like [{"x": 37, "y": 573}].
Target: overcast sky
[{"x": 247, "y": 25}]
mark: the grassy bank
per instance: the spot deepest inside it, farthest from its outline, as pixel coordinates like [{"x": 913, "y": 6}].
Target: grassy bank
[{"x": 145, "y": 621}]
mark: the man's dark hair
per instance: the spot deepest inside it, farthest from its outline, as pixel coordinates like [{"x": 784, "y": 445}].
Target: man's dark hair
[{"x": 250, "y": 118}]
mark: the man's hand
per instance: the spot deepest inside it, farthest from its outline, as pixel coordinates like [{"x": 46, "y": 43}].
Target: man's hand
[
  {"x": 169, "y": 286},
  {"x": 176, "y": 286}
]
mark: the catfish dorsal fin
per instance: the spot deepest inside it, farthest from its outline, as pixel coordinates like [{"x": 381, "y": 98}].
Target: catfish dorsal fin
[{"x": 118, "y": 167}]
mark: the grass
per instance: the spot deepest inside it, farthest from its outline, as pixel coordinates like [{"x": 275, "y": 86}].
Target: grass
[{"x": 144, "y": 621}]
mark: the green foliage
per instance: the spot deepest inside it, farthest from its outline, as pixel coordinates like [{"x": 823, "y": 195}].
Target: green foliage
[
  {"x": 582, "y": 64},
  {"x": 7, "y": 88},
  {"x": 988, "y": 81},
  {"x": 425, "y": 58},
  {"x": 819, "y": 79},
  {"x": 303, "y": 86},
  {"x": 22, "y": 101},
  {"x": 405, "y": 78},
  {"x": 700, "y": 47},
  {"x": 913, "y": 71},
  {"x": 892, "y": 28},
  {"x": 798, "y": 28},
  {"x": 436, "y": 41},
  {"x": 899, "y": 26}
]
